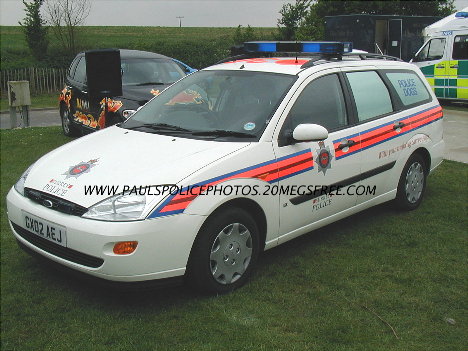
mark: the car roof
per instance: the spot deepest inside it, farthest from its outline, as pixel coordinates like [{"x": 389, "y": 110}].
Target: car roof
[
  {"x": 293, "y": 65},
  {"x": 126, "y": 54}
]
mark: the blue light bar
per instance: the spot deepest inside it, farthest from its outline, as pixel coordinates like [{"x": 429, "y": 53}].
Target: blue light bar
[
  {"x": 461, "y": 14},
  {"x": 311, "y": 47}
]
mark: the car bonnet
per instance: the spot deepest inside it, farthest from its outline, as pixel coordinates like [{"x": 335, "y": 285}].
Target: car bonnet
[{"x": 120, "y": 157}]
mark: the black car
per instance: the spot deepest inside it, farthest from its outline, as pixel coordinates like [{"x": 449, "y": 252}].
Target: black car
[{"x": 144, "y": 75}]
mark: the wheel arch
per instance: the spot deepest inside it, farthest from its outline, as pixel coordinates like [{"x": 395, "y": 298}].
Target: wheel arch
[
  {"x": 253, "y": 209},
  {"x": 424, "y": 153}
]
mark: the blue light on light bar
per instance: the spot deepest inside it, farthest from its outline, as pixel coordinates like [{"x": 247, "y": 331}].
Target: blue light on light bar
[
  {"x": 461, "y": 14},
  {"x": 311, "y": 47},
  {"x": 266, "y": 47}
]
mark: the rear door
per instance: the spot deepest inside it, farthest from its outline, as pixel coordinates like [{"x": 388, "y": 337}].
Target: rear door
[
  {"x": 375, "y": 113},
  {"x": 388, "y": 106},
  {"x": 308, "y": 170}
]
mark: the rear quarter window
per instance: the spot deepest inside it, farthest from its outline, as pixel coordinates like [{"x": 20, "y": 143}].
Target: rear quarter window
[{"x": 409, "y": 87}]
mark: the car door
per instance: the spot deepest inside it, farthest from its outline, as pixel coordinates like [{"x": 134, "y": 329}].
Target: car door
[
  {"x": 434, "y": 62},
  {"x": 86, "y": 109},
  {"x": 375, "y": 111},
  {"x": 458, "y": 68},
  {"x": 388, "y": 107},
  {"x": 307, "y": 170}
]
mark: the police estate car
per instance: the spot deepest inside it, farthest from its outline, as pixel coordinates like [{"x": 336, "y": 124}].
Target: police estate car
[{"x": 230, "y": 161}]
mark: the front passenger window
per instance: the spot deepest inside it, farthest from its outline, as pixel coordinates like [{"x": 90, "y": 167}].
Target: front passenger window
[{"x": 321, "y": 102}]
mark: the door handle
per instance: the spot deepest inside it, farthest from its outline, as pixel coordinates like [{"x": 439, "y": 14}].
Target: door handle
[
  {"x": 398, "y": 125},
  {"x": 440, "y": 66},
  {"x": 346, "y": 143},
  {"x": 454, "y": 66}
]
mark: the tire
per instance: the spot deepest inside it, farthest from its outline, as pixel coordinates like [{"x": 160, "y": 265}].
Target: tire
[
  {"x": 67, "y": 125},
  {"x": 412, "y": 184},
  {"x": 224, "y": 253}
]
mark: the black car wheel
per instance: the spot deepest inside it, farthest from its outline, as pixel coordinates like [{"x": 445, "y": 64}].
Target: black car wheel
[
  {"x": 67, "y": 125},
  {"x": 224, "y": 253},
  {"x": 412, "y": 183}
]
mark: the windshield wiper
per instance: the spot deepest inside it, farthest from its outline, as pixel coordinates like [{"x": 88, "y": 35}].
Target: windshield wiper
[
  {"x": 161, "y": 127},
  {"x": 151, "y": 83},
  {"x": 222, "y": 133}
]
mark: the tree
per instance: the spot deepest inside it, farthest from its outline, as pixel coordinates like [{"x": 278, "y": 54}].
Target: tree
[
  {"x": 243, "y": 35},
  {"x": 291, "y": 19},
  {"x": 309, "y": 22},
  {"x": 34, "y": 29},
  {"x": 64, "y": 16}
]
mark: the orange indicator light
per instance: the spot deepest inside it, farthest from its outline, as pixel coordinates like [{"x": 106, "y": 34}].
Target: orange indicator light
[{"x": 125, "y": 247}]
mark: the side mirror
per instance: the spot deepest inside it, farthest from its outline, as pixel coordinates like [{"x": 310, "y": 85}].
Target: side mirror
[{"x": 310, "y": 132}]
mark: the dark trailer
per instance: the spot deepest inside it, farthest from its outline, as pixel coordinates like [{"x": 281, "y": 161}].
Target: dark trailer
[{"x": 394, "y": 35}]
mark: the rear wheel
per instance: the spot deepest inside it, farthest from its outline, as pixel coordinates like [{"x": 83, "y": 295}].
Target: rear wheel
[
  {"x": 67, "y": 125},
  {"x": 224, "y": 253},
  {"x": 412, "y": 184}
]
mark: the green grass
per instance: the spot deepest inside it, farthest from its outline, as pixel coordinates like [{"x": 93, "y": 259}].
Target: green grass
[
  {"x": 37, "y": 101},
  {"x": 316, "y": 292},
  {"x": 198, "y": 47}
]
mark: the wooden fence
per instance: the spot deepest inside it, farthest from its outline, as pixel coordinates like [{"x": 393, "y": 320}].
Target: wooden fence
[{"x": 41, "y": 80}]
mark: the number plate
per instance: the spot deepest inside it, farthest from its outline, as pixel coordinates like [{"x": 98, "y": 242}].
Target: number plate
[{"x": 45, "y": 229}]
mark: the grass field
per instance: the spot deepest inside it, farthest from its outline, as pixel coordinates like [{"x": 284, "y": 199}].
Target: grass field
[
  {"x": 342, "y": 288},
  {"x": 37, "y": 101},
  {"x": 197, "y": 47}
]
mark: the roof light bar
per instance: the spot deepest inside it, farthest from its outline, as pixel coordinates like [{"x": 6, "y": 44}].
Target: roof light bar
[
  {"x": 461, "y": 14},
  {"x": 311, "y": 47}
]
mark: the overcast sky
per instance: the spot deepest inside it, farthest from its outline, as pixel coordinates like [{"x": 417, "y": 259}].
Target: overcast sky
[{"x": 196, "y": 13}]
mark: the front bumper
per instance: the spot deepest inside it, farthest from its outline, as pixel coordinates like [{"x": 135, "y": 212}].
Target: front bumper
[{"x": 164, "y": 243}]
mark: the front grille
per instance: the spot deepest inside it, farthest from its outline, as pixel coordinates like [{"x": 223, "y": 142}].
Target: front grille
[
  {"x": 58, "y": 204},
  {"x": 57, "y": 250}
]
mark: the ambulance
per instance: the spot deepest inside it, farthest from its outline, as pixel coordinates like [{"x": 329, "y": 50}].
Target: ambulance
[{"x": 444, "y": 57}]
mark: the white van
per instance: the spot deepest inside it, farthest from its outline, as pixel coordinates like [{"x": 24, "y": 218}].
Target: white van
[{"x": 444, "y": 56}]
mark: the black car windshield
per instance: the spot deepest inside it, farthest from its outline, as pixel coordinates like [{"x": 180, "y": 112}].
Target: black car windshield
[
  {"x": 215, "y": 104},
  {"x": 139, "y": 71}
]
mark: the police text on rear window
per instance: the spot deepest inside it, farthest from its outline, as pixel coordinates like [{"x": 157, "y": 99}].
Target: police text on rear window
[
  {"x": 370, "y": 94},
  {"x": 409, "y": 87}
]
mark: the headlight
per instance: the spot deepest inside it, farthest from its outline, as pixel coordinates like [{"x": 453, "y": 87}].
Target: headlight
[
  {"x": 19, "y": 186},
  {"x": 120, "y": 207}
]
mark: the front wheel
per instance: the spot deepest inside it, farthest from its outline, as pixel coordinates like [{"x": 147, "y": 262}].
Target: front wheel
[
  {"x": 67, "y": 125},
  {"x": 224, "y": 253},
  {"x": 412, "y": 183}
]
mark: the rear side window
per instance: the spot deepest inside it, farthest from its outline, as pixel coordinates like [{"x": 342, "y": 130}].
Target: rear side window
[
  {"x": 460, "y": 47},
  {"x": 409, "y": 87},
  {"x": 370, "y": 94}
]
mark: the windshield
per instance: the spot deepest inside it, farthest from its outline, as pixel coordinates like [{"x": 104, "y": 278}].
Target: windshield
[
  {"x": 218, "y": 104},
  {"x": 149, "y": 71}
]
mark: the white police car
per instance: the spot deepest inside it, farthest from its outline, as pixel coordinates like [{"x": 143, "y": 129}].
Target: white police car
[{"x": 230, "y": 161}]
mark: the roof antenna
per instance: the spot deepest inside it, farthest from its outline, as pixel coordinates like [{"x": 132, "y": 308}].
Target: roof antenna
[
  {"x": 297, "y": 46},
  {"x": 242, "y": 67}
]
